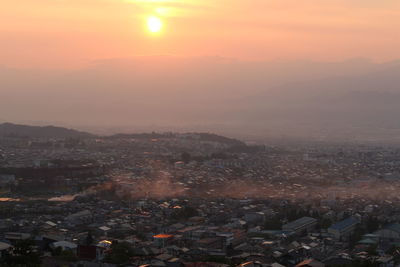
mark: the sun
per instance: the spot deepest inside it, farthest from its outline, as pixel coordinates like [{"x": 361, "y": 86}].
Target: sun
[{"x": 154, "y": 24}]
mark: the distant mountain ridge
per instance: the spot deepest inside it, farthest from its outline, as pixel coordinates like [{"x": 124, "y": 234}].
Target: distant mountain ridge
[
  {"x": 355, "y": 100},
  {"x": 195, "y": 136},
  {"x": 18, "y": 130}
]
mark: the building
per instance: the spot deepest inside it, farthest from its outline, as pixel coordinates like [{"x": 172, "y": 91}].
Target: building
[
  {"x": 64, "y": 245},
  {"x": 343, "y": 229},
  {"x": 390, "y": 232},
  {"x": 251, "y": 264},
  {"x": 210, "y": 243},
  {"x": 300, "y": 225},
  {"x": 310, "y": 263},
  {"x": 15, "y": 237}
]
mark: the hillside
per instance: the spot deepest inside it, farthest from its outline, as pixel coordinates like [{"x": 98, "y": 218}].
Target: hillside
[
  {"x": 10, "y": 129},
  {"x": 195, "y": 136}
]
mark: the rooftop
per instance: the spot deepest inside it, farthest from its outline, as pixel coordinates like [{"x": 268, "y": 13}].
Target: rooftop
[
  {"x": 344, "y": 224},
  {"x": 300, "y": 222}
]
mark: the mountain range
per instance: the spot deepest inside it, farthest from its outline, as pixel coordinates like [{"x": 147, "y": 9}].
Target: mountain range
[{"x": 17, "y": 130}]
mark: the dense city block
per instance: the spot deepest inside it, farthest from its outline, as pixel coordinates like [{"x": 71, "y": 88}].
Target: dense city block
[{"x": 196, "y": 199}]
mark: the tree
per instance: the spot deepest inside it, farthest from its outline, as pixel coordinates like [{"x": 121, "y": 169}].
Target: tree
[
  {"x": 120, "y": 253},
  {"x": 356, "y": 236},
  {"x": 68, "y": 255},
  {"x": 89, "y": 239},
  {"x": 372, "y": 250},
  {"x": 56, "y": 251},
  {"x": 372, "y": 224},
  {"x": 24, "y": 254}
]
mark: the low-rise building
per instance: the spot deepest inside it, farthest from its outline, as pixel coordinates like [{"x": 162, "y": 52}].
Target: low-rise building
[
  {"x": 300, "y": 225},
  {"x": 390, "y": 232},
  {"x": 343, "y": 229}
]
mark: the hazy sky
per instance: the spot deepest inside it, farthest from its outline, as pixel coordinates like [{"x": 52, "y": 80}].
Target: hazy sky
[
  {"x": 252, "y": 67},
  {"x": 70, "y": 33}
]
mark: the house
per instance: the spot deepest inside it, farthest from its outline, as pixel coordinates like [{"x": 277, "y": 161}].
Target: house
[
  {"x": 211, "y": 243},
  {"x": 343, "y": 229},
  {"x": 14, "y": 237},
  {"x": 310, "y": 263},
  {"x": 64, "y": 245},
  {"x": 250, "y": 264},
  {"x": 188, "y": 232},
  {"x": 300, "y": 225},
  {"x": 254, "y": 217},
  {"x": 105, "y": 229},
  {"x": 338, "y": 260},
  {"x": 174, "y": 262},
  {"x": 90, "y": 252}
]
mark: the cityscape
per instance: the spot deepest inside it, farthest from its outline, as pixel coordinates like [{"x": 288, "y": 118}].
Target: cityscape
[
  {"x": 195, "y": 199},
  {"x": 199, "y": 133}
]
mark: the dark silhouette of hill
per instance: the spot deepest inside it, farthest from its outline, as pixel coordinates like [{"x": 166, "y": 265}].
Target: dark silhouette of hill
[
  {"x": 207, "y": 137},
  {"x": 17, "y": 130},
  {"x": 139, "y": 135}
]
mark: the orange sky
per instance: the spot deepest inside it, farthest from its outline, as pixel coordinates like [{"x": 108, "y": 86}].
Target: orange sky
[{"x": 70, "y": 33}]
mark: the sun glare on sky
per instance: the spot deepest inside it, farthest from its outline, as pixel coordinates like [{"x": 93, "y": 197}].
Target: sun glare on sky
[
  {"x": 247, "y": 30},
  {"x": 154, "y": 24}
]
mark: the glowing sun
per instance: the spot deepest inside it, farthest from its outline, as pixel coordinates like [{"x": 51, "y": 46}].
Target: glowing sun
[{"x": 154, "y": 24}]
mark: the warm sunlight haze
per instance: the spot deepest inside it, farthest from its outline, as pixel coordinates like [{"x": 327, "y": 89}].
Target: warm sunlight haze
[
  {"x": 154, "y": 24},
  {"x": 62, "y": 33}
]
